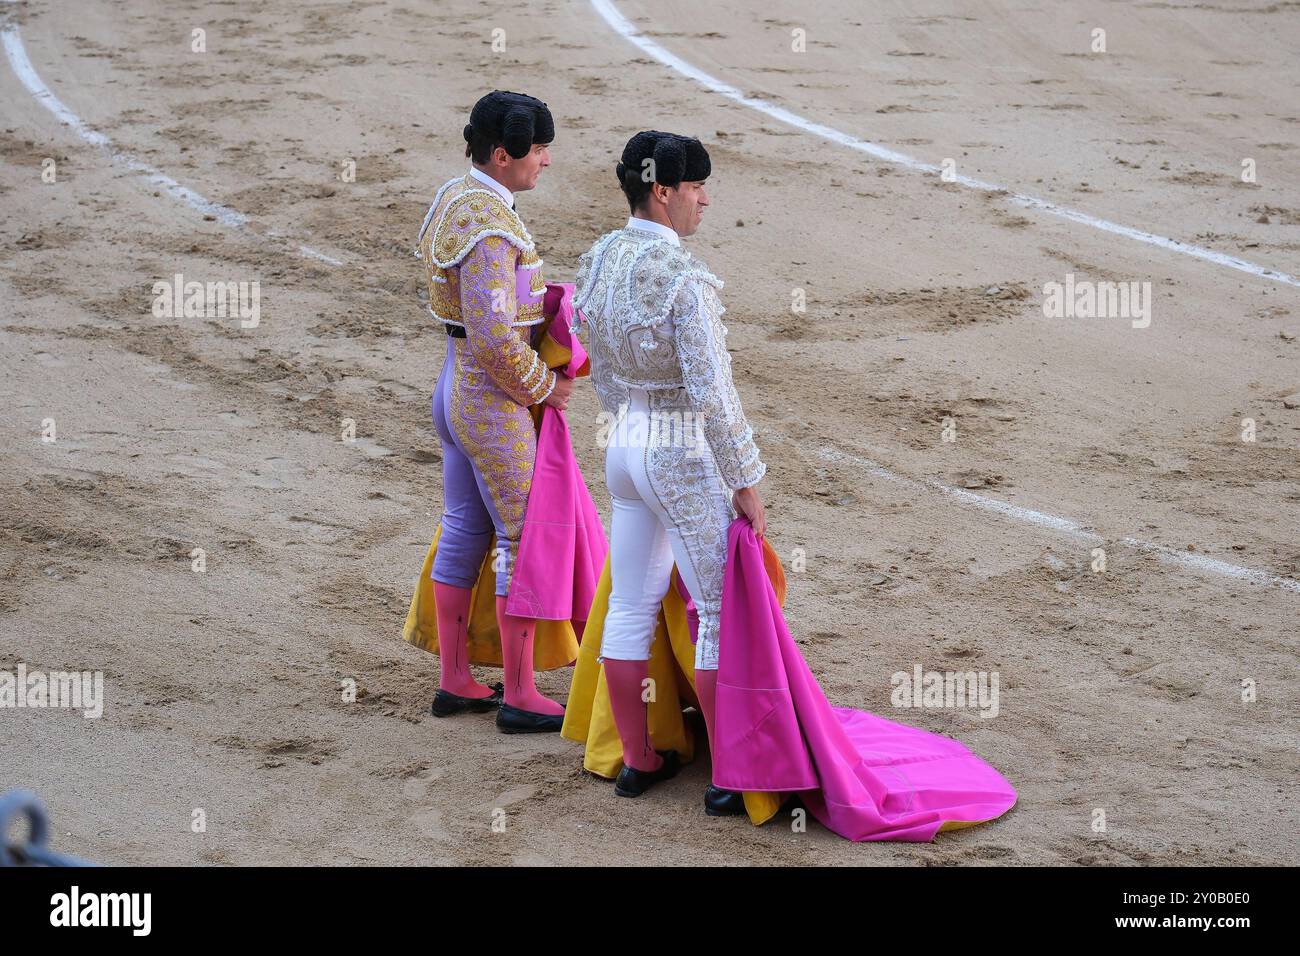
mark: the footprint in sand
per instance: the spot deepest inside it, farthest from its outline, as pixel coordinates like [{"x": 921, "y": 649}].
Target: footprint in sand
[
  {"x": 421, "y": 786},
  {"x": 428, "y": 823},
  {"x": 371, "y": 449},
  {"x": 512, "y": 796},
  {"x": 428, "y": 820}
]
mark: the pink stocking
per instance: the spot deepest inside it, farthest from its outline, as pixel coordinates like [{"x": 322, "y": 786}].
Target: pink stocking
[
  {"x": 453, "y": 641},
  {"x": 706, "y": 689},
  {"x": 631, "y": 713},
  {"x": 517, "y": 661}
]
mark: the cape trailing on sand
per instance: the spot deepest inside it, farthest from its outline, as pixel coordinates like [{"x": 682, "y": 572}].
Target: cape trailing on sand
[{"x": 863, "y": 777}]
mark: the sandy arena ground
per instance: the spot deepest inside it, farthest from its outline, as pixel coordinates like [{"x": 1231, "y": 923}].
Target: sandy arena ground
[{"x": 1119, "y": 690}]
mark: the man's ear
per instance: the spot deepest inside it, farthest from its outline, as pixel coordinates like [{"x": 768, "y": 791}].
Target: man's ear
[{"x": 500, "y": 157}]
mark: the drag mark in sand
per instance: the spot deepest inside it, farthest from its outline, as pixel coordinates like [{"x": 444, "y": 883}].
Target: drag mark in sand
[
  {"x": 623, "y": 26},
  {"x": 19, "y": 62}
]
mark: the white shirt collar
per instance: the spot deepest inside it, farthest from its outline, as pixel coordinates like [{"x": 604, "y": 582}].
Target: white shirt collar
[
  {"x": 492, "y": 184},
  {"x": 649, "y": 225}
]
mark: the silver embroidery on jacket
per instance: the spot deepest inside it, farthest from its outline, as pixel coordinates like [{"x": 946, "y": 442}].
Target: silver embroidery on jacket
[{"x": 655, "y": 323}]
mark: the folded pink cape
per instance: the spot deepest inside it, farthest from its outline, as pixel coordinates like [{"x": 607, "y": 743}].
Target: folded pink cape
[
  {"x": 562, "y": 547},
  {"x": 862, "y": 776}
]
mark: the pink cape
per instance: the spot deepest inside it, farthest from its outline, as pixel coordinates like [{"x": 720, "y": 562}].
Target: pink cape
[
  {"x": 562, "y": 547},
  {"x": 864, "y": 777}
]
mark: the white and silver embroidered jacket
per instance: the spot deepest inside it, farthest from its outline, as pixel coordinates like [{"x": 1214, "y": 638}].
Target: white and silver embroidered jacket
[{"x": 656, "y": 323}]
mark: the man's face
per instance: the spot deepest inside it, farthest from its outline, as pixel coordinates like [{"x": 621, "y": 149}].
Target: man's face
[
  {"x": 686, "y": 205},
  {"x": 518, "y": 175}
]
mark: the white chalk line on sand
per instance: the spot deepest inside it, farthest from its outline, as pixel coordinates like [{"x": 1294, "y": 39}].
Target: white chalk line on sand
[
  {"x": 1196, "y": 562},
  {"x": 27, "y": 75},
  {"x": 623, "y": 26},
  {"x": 23, "y": 69}
]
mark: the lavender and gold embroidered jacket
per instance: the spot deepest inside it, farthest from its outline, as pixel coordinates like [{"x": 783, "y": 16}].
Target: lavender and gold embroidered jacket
[{"x": 485, "y": 276}]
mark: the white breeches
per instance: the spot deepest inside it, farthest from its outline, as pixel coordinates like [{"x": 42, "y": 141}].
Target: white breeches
[{"x": 669, "y": 504}]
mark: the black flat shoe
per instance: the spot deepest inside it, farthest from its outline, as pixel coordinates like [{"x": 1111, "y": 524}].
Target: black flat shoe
[
  {"x": 723, "y": 803},
  {"x": 514, "y": 720},
  {"x": 632, "y": 782},
  {"x": 445, "y": 703}
]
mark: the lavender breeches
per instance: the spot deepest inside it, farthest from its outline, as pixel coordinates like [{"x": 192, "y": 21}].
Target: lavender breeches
[{"x": 469, "y": 518}]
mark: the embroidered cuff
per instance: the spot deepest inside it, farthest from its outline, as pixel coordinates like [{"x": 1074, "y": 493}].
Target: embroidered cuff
[{"x": 549, "y": 384}]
